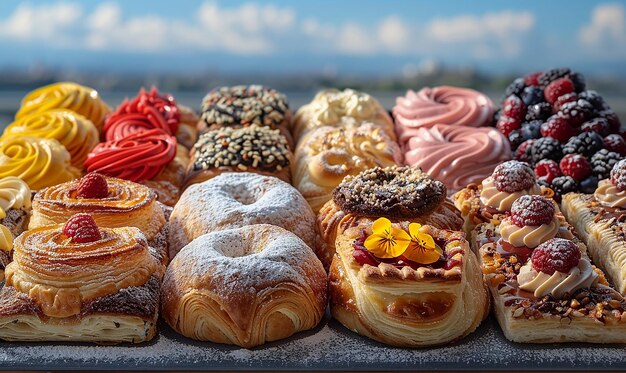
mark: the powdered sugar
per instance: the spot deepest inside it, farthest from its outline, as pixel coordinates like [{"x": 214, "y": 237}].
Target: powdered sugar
[{"x": 513, "y": 176}]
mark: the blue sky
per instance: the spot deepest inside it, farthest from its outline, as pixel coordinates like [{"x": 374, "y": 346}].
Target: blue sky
[{"x": 347, "y": 37}]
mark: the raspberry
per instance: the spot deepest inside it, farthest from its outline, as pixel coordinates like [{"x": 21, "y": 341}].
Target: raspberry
[
  {"x": 557, "y": 128},
  {"x": 579, "y": 81},
  {"x": 563, "y": 185},
  {"x": 594, "y": 99},
  {"x": 92, "y": 185},
  {"x": 531, "y": 130},
  {"x": 540, "y": 111},
  {"x": 553, "y": 74},
  {"x": 82, "y": 229},
  {"x": 547, "y": 170},
  {"x": 589, "y": 185},
  {"x": 597, "y": 125},
  {"x": 522, "y": 153},
  {"x": 532, "y": 95},
  {"x": 576, "y": 112},
  {"x": 532, "y": 211},
  {"x": 558, "y": 88},
  {"x": 602, "y": 163},
  {"x": 618, "y": 175},
  {"x": 513, "y": 176},
  {"x": 612, "y": 118},
  {"x": 570, "y": 97},
  {"x": 532, "y": 79},
  {"x": 514, "y": 107},
  {"x": 585, "y": 143},
  {"x": 545, "y": 148},
  {"x": 515, "y": 88},
  {"x": 576, "y": 166},
  {"x": 555, "y": 255},
  {"x": 615, "y": 143},
  {"x": 507, "y": 124}
]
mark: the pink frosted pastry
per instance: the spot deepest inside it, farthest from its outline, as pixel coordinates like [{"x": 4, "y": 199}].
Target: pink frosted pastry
[
  {"x": 457, "y": 155},
  {"x": 440, "y": 105}
]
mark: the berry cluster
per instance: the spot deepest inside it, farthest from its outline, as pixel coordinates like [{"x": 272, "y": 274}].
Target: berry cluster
[{"x": 568, "y": 134}]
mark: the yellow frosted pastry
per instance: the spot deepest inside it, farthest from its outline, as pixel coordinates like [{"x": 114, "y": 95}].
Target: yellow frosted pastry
[
  {"x": 77, "y": 133},
  {"x": 66, "y": 95},
  {"x": 14, "y": 194},
  {"x": 6, "y": 239},
  {"x": 39, "y": 162}
]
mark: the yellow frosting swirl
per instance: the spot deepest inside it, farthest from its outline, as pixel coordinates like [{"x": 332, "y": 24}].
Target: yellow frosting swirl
[
  {"x": 502, "y": 201},
  {"x": 541, "y": 284},
  {"x": 529, "y": 236},
  {"x": 39, "y": 162},
  {"x": 14, "y": 194},
  {"x": 66, "y": 95},
  {"x": 6, "y": 239},
  {"x": 608, "y": 194},
  {"x": 77, "y": 133}
]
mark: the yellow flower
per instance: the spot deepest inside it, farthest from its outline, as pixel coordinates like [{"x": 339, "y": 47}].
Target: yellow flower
[
  {"x": 386, "y": 241},
  {"x": 422, "y": 248}
]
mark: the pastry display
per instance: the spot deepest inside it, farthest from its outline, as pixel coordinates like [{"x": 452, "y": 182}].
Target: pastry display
[
  {"x": 15, "y": 207},
  {"x": 237, "y": 199},
  {"x": 551, "y": 116},
  {"x": 397, "y": 193},
  {"x": 440, "y": 105},
  {"x": 331, "y": 107},
  {"x": 328, "y": 154},
  {"x": 80, "y": 282},
  {"x": 66, "y": 95},
  {"x": 456, "y": 155},
  {"x": 39, "y": 162},
  {"x": 244, "y": 286},
  {"x": 6, "y": 249},
  {"x": 253, "y": 148},
  {"x": 111, "y": 202},
  {"x": 243, "y": 106},
  {"x": 76, "y": 133}
]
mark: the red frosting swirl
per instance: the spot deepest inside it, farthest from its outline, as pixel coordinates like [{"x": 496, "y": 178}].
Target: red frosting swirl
[{"x": 136, "y": 157}]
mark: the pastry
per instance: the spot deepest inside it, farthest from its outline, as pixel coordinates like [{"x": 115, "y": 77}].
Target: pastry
[
  {"x": 544, "y": 287},
  {"x": 331, "y": 106},
  {"x": 456, "y": 155},
  {"x": 15, "y": 207},
  {"x": 237, "y": 199},
  {"x": 80, "y": 282},
  {"x": 111, "y": 202},
  {"x": 406, "y": 284},
  {"x": 396, "y": 193},
  {"x": 187, "y": 133},
  {"x": 249, "y": 149},
  {"x": 66, "y": 95},
  {"x": 39, "y": 162},
  {"x": 6, "y": 249},
  {"x": 244, "y": 286},
  {"x": 599, "y": 219},
  {"x": 441, "y": 105},
  {"x": 242, "y": 106},
  {"x": 75, "y": 132},
  {"x": 327, "y": 154}
]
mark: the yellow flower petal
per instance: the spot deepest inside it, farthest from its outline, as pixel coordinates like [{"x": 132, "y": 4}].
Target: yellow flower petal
[
  {"x": 381, "y": 225},
  {"x": 426, "y": 240},
  {"x": 414, "y": 229},
  {"x": 422, "y": 255},
  {"x": 386, "y": 241}
]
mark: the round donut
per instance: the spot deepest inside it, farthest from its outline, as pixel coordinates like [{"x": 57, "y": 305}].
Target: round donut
[
  {"x": 237, "y": 199},
  {"x": 244, "y": 286}
]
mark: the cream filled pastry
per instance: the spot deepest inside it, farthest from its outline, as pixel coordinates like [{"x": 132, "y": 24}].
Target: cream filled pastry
[
  {"x": 457, "y": 155},
  {"x": 15, "y": 207},
  {"x": 532, "y": 221}
]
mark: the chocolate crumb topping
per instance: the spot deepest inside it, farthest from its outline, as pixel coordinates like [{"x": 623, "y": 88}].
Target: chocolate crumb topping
[
  {"x": 395, "y": 192},
  {"x": 257, "y": 147}
]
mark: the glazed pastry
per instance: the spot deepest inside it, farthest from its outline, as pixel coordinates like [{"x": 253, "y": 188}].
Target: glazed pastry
[
  {"x": 249, "y": 149},
  {"x": 493, "y": 197},
  {"x": 237, "y": 199},
  {"x": 77, "y": 98},
  {"x": 406, "y": 284},
  {"x": 545, "y": 288},
  {"x": 327, "y": 154},
  {"x": 79, "y": 282},
  {"x": 331, "y": 106},
  {"x": 75, "y": 132},
  {"x": 440, "y": 105},
  {"x": 111, "y": 202},
  {"x": 39, "y": 162},
  {"x": 599, "y": 219},
  {"x": 397, "y": 193},
  {"x": 244, "y": 286},
  {"x": 457, "y": 155},
  {"x": 242, "y": 106}
]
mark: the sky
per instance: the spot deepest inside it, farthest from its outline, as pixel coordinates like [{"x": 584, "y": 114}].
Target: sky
[{"x": 334, "y": 37}]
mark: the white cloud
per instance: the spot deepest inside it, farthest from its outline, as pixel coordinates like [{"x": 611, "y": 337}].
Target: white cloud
[
  {"x": 607, "y": 30},
  {"x": 44, "y": 22},
  {"x": 393, "y": 34}
]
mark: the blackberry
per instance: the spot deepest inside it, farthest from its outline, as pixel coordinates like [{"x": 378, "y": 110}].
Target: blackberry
[
  {"x": 531, "y": 130},
  {"x": 546, "y": 148},
  {"x": 516, "y": 88},
  {"x": 576, "y": 112},
  {"x": 589, "y": 185},
  {"x": 614, "y": 123},
  {"x": 585, "y": 143},
  {"x": 551, "y": 75},
  {"x": 516, "y": 139},
  {"x": 532, "y": 95},
  {"x": 563, "y": 185},
  {"x": 594, "y": 99},
  {"x": 579, "y": 81},
  {"x": 602, "y": 163},
  {"x": 597, "y": 125},
  {"x": 540, "y": 111},
  {"x": 544, "y": 183}
]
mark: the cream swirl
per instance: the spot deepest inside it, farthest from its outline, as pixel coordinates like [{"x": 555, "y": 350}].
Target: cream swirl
[
  {"x": 500, "y": 200},
  {"x": 608, "y": 194},
  {"x": 6, "y": 240},
  {"x": 14, "y": 194},
  {"x": 541, "y": 284},
  {"x": 457, "y": 155},
  {"x": 530, "y": 236}
]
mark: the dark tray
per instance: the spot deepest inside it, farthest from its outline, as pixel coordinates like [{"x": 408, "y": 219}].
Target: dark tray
[{"x": 330, "y": 346}]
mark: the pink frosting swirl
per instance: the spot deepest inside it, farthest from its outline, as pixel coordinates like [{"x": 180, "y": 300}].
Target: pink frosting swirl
[
  {"x": 441, "y": 105},
  {"x": 457, "y": 155}
]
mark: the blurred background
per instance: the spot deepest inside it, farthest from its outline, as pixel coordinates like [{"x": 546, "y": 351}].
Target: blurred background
[{"x": 188, "y": 47}]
